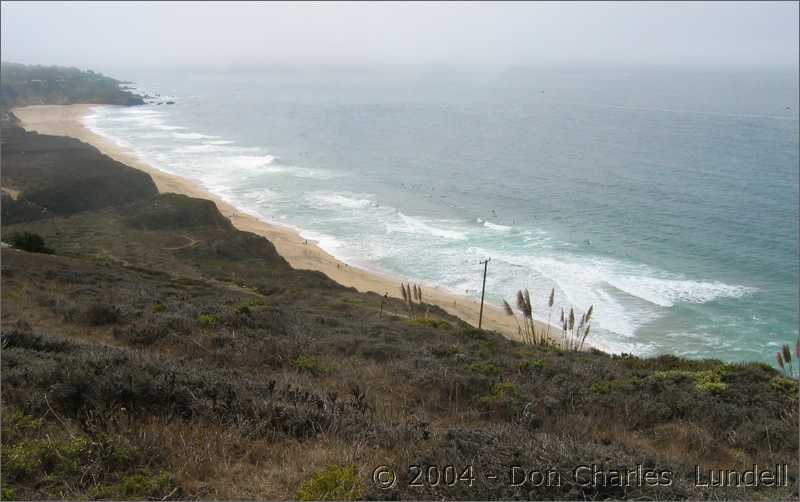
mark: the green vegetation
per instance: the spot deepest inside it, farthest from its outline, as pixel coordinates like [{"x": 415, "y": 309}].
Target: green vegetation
[
  {"x": 70, "y": 464},
  {"x": 308, "y": 364},
  {"x": 504, "y": 400},
  {"x": 334, "y": 482},
  {"x": 55, "y": 458},
  {"x": 705, "y": 381},
  {"x": 601, "y": 387},
  {"x": 788, "y": 386},
  {"x": 145, "y": 484},
  {"x": 488, "y": 369},
  {"x": 530, "y": 365},
  {"x": 501, "y": 392},
  {"x": 208, "y": 320}
]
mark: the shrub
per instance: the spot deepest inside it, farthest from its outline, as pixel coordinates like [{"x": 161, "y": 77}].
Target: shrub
[
  {"x": 473, "y": 333},
  {"x": 785, "y": 385},
  {"x": 708, "y": 381},
  {"x": 33, "y": 243},
  {"x": 102, "y": 314},
  {"x": 208, "y": 320},
  {"x": 55, "y": 458},
  {"x": 17, "y": 424},
  {"x": 145, "y": 484},
  {"x": 39, "y": 343},
  {"x": 19, "y": 462},
  {"x": 530, "y": 365},
  {"x": 334, "y": 482},
  {"x": 246, "y": 308},
  {"x": 503, "y": 399},
  {"x": 141, "y": 485},
  {"x": 601, "y": 388},
  {"x": 308, "y": 364},
  {"x": 433, "y": 323},
  {"x": 144, "y": 334},
  {"x": 624, "y": 385},
  {"x": 487, "y": 348},
  {"x": 488, "y": 369}
]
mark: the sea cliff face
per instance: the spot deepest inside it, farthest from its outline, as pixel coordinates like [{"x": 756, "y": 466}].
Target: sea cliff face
[{"x": 159, "y": 352}]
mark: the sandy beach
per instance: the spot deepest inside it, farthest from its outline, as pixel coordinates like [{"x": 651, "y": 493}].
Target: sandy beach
[{"x": 67, "y": 120}]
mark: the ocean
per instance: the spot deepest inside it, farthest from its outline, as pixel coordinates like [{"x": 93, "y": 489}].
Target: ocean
[{"x": 665, "y": 197}]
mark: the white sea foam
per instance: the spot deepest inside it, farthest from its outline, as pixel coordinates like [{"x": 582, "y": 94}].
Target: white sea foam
[
  {"x": 138, "y": 111},
  {"x": 192, "y": 135},
  {"x": 341, "y": 250},
  {"x": 300, "y": 172},
  {"x": 412, "y": 225},
  {"x": 138, "y": 117},
  {"x": 248, "y": 161},
  {"x": 150, "y": 135},
  {"x": 667, "y": 292},
  {"x": 327, "y": 199},
  {"x": 90, "y": 122},
  {"x": 495, "y": 226},
  {"x": 204, "y": 148}
]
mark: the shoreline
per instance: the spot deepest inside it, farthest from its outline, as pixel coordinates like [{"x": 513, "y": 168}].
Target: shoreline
[{"x": 67, "y": 120}]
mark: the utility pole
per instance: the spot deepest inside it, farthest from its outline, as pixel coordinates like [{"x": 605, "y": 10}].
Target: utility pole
[{"x": 483, "y": 290}]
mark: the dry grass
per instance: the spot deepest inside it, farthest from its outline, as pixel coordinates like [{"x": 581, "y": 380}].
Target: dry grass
[
  {"x": 412, "y": 298},
  {"x": 214, "y": 462},
  {"x": 573, "y": 333},
  {"x": 784, "y": 358}
]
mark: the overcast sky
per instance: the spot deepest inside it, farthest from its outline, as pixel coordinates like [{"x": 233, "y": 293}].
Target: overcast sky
[{"x": 102, "y": 35}]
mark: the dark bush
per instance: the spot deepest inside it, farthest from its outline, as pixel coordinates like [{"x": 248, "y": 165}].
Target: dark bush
[
  {"x": 20, "y": 336},
  {"x": 33, "y": 243},
  {"x": 102, "y": 314},
  {"x": 146, "y": 334}
]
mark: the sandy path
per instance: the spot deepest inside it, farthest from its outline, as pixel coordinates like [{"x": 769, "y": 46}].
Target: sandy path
[{"x": 68, "y": 121}]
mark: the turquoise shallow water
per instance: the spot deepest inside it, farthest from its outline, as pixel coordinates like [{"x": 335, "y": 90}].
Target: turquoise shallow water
[{"x": 666, "y": 197}]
